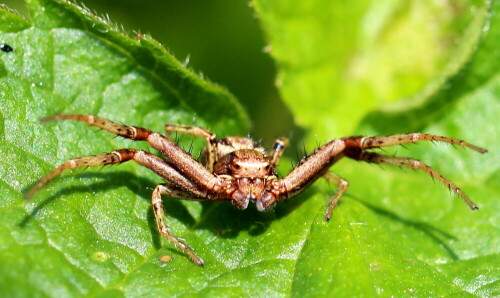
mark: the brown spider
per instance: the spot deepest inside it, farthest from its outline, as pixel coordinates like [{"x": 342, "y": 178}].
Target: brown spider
[{"x": 236, "y": 169}]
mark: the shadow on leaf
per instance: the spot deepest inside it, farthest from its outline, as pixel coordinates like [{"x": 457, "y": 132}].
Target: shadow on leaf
[
  {"x": 111, "y": 180},
  {"x": 220, "y": 218},
  {"x": 433, "y": 233}
]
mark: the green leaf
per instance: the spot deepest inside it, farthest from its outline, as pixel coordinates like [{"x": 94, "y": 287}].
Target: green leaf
[{"x": 395, "y": 233}]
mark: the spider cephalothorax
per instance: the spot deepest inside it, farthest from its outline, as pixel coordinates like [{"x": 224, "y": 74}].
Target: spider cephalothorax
[
  {"x": 236, "y": 169},
  {"x": 249, "y": 174}
]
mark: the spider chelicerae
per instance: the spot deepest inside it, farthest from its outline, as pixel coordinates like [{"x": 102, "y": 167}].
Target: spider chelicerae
[{"x": 237, "y": 169}]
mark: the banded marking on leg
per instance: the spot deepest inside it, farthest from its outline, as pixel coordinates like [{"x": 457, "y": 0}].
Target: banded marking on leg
[
  {"x": 277, "y": 151},
  {"x": 117, "y": 156},
  {"x": 148, "y": 160},
  {"x": 401, "y": 139},
  {"x": 182, "y": 161},
  {"x": 129, "y": 132}
]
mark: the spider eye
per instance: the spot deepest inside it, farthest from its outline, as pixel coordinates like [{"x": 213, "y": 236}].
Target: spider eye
[{"x": 237, "y": 166}]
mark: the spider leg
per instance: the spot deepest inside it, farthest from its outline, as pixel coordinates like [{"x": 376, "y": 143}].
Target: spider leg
[
  {"x": 317, "y": 163},
  {"x": 412, "y": 164},
  {"x": 342, "y": 184},
  {"x": 211, "y": 146},
  {"x": 308, "y": 170},
  {"x": 172, "y": 191},
  {"x": 400, "y": 139},
  {"x": 180, "y": 159},
  {"x": 148, "y": 160},
  {"x": 277, "y": 151}
]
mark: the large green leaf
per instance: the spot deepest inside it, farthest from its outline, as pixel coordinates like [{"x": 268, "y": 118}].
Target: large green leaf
[{"x": 93, "y": 233}]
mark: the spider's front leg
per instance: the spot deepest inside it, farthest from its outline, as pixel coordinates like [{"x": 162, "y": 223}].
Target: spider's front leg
[
  {"x": 356, "y": 149},
  {"x": 316, "y": 165},
  {"x": 180, "y": 159},
  {"x": 308, "y": 170},
  {"x": 412, "y": 164},
  {"x": 148, "y": 160},
  {"x": 406, "y": 138},
  {"x": 284, "y": 185}
]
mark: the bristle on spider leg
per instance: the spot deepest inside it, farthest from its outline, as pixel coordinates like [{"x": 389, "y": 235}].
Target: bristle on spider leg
[
  {"x": 304, "y": 149},
  {"x": 98, "y": 129},
  {"x": 434, "y": 179},
  {"x": 190, "y": 150},
  {"x": 452, "y": 187}
]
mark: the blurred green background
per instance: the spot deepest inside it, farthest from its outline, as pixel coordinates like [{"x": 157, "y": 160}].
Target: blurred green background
[{"x": 220, "y": 38}]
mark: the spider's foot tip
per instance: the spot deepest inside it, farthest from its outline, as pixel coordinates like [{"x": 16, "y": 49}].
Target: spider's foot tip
[
  {"x": 28, "y": 196},
  {"x": 474, "y": 208},
  {"x": 47, "y": 119}
]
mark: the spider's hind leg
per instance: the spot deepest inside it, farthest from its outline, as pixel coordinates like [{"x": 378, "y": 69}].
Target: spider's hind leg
[
  {"x": 412, "y": 164},
  {"x": 277, "y": 151},
  {"x": 342, "y": 184},
  {"x": 211, "y": 138}
]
